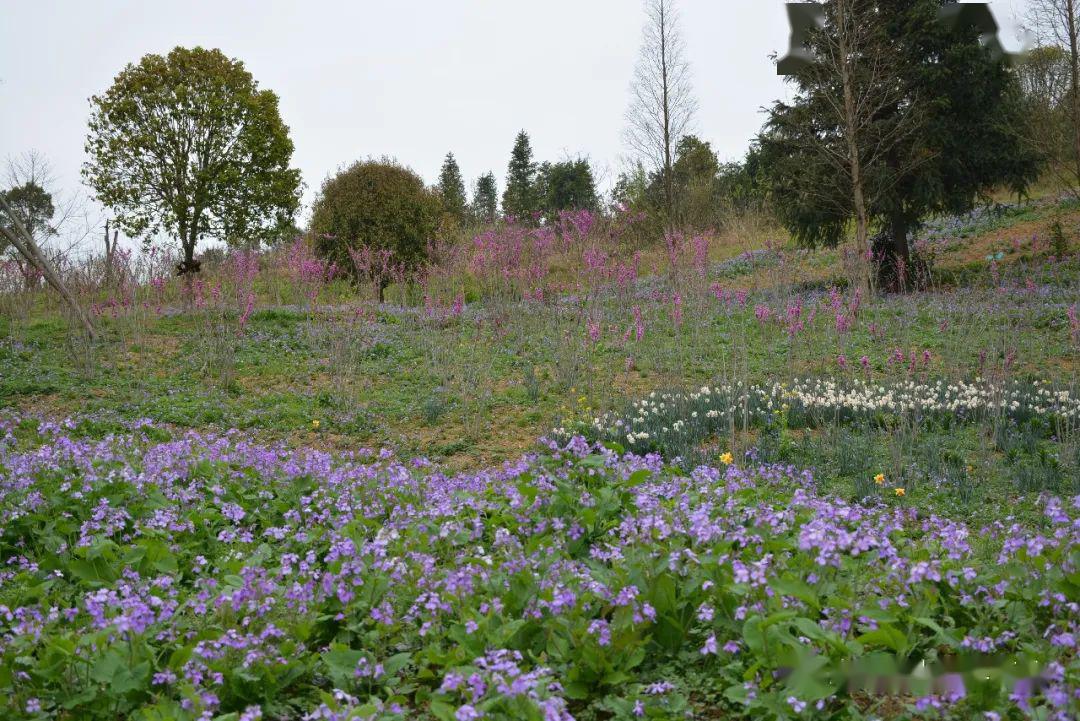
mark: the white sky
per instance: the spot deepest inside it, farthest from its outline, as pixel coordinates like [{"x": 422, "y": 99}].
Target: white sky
[{"x": 410, "y": 79}]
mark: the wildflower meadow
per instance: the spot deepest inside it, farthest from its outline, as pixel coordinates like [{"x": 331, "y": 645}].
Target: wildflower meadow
[
  {"x": 293, "y": 429},
  {"x": 768, "y": 532}
]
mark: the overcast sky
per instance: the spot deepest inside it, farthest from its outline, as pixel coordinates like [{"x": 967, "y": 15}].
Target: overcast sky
[{"x": 413, "y": 80}]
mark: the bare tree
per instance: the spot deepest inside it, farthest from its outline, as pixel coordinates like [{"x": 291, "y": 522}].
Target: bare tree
[
  {"x": 1057, "y": 22},
  {"x": 19, "y": 237},
  {"x": 661, "y": 97},
  {"x": 1044, "y": 75},
  {"x": 70, "y": 221}
]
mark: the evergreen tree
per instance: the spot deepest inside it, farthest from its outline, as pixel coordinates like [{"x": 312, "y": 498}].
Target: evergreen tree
[
  {"x": 695, "y": 180},
  {"x": 452, "y": 189},
  {"x": 372, "y": 208},
  {"x": 541, "y": 183},
  {"x": 953, "y": 132},
  {"x": 568, "y": 185},
  {"x": 485, "y": 199},
  {"x": 519, "y": 198},
  {"x": 33, "y": 207}
]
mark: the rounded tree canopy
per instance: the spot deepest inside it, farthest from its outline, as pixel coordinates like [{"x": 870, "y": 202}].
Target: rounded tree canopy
[
  {"x": 188, "y": 143},
  {"x": 379, "y": 205}
]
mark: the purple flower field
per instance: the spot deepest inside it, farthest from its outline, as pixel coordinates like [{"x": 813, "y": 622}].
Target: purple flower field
[{"x": 158, "y": 575}]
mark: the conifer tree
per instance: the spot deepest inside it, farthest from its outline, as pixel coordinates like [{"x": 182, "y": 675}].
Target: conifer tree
[
  {"x": 452, "y": 188},
  {"x": 519, "y": 198},
  {"x": 485, "y": 199}
]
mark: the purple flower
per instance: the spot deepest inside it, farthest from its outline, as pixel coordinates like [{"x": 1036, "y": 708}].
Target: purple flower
[
  {"x": 467, "y": 712},
  {"x": 601, "y": 630}
]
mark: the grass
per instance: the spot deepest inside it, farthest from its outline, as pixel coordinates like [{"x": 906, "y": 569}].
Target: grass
[{"x": 481, "y": 388}]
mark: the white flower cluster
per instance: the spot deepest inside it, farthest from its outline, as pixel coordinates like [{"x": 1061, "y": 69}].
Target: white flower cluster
[
  {"x": 660, "y": 414},
  {"x": 954, "y": 398}
]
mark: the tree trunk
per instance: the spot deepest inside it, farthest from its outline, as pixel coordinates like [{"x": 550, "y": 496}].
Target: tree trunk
[
  {"x": 669, "y": 193},
  {"x": 1074, "y": 73},
  {"x": 862, "y": 224},
  {"x": 110, "y": 255}
]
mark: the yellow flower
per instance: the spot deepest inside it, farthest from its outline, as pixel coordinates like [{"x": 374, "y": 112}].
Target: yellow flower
[
  {"x": 315, "y": 424},
  {"x": 899, "y": 491},
  {"x": 726, "y": 458},
  {"x": 879, "y": 479}
]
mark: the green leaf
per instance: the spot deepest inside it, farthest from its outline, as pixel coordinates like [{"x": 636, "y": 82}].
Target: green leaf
[
  {"x": 442, "y": 710},
  {"x": 885, "y": 635},
  {"x": 341, "y": 662},
  {"x": 796, "y": 588},
  {"x": 96, "y": 572},
  {"x": 663, "y": 593},
  {"x": 575, "y": 690},
  {"x": 396, "y": 662},
  {"x": 753, "y": 636},
  {"x": 778, "y": 617},
  {"x": 594, "y": 460}
]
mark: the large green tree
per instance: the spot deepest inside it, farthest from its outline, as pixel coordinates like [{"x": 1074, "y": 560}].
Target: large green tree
[
  {"x": 188, "y": 144},
  {"x": 382, "y": 213},
  {"x": 520, "y": 197},
  {"x": 567, "y": 185},
  {"x": 485, "y": 199},
  {"x": 694, "y": 178},
  {"x": 947, "y": 127},
  {"x": 452, "y": 189}
]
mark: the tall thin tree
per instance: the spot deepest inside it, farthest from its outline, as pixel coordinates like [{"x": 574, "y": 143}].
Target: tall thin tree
[{"x": 662, "y": 104}]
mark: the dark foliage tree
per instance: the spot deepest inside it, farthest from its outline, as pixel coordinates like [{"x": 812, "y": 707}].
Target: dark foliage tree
[
  {"x": 741, "y": 186},
  {"x": 485, "y": 204},
  {"x": 519, "y": 197},
  {"x": 452, "y": 189},
  {"x": 188, "y": 144},
  {"x": 541, "y": 183},
  {"x": 697, "y": 189},
  {"x": 377, "y": 206},
  {"x": 568, "y": 185},
  {"x": 952, "y": 131},
  {"x": 33, "y": 206}
]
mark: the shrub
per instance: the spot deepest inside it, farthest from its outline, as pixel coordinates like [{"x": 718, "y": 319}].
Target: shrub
[{"x": 375, "y": 217}]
